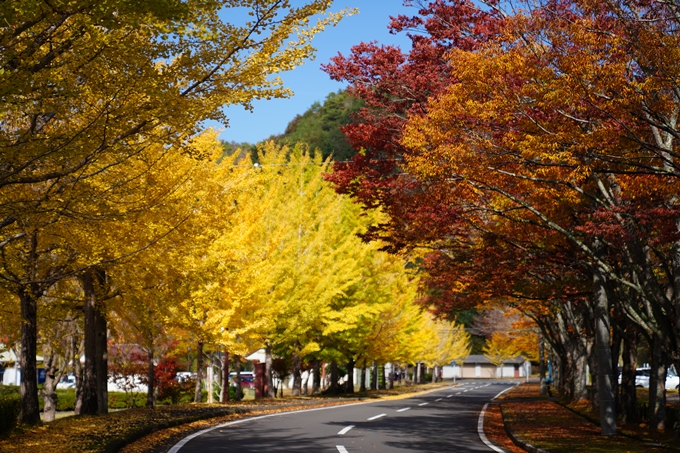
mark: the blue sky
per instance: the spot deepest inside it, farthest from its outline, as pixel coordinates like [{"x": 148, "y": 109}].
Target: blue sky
[{"x": 308, "y": 82}]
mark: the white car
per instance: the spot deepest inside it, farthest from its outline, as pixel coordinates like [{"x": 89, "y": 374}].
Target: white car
[
  {"x": 642, "y": 378},
  {"x": 67, "y": 382}
]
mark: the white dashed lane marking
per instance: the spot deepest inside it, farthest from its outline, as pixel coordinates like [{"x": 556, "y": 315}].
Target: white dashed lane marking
[
  {"x": 375, "y": 417},
  {"x": 345, "y": 430},
  {"x": 404, "y": 409}
]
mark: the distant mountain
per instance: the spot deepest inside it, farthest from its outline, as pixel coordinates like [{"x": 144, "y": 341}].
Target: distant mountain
[{"x": 319, "y": 126}]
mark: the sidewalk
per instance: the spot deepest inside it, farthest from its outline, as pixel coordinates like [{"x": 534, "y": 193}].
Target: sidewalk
[{"x": 540, "y": 424}]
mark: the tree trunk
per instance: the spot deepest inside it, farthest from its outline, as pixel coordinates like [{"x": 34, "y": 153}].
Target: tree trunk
[
  {"x": 349, "y": 384},
  {"x": 629, "y": 409},
  {"x": 393, "y": 368},
  {"x": 676, "y": 300},
  {"x": 657, "y": 388},
  {"x": 604, "y": 358},
  {"x": 101, "y": 354},
  {"x": 556, "y": 366},
  {"x": 383, "y": 381},
  {"x": 53, "y": 373},
  {"x": 101, "y": 362},
  {"x": 198, "y": 396},
  {"x": 362, "y": 386},
  {"x": 334, "y": 378},
  {"x": 580, "y": 375},
  {"x": 30, "y": 410},
  {"x": 89, "y": 391},
  {"x": 271, "y": 390},
  {"x": 151, "y": 380},
  {"x": 305, "y": 385},
  {"x": 209, "y": 374},
  {"x": 316, "y": 382},
  {"x": 617, "y": 340},
  {"x": 80, "y": 373},
  {"x": 224, "y": 392},
  {"x": 94, "y": 393},
  {"x": 297, "y": 376},
  {"x": 593, "y": 364},
  {"x": 374, "y": 376},
  {"x": 237, "y": 368},
  {"x": 541, "y": 366},
  {"x": 50, "y": 398}
]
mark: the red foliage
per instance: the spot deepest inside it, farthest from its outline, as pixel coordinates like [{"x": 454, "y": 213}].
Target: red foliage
[
  {"x": 165, "y": 373},
  {"x": 474, "y": 261},
  {"x": 395, "y": 85}
]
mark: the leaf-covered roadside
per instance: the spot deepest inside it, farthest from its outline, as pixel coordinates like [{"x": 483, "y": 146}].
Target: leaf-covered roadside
[
  {"x": 551, "y": 426},
  {"x": 494, "y": 429},
  {"x": 112, "y": 431},
  {"x": 144, "y": 428}
]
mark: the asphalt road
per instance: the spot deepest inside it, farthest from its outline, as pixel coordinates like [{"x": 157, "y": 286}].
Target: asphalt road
[{"x": 441, "y": 421}]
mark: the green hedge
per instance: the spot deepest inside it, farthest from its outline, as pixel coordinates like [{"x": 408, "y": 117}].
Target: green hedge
[
  {"x": 120, "y": 400},
  {"x": 66, "y": 400},
  {"x": 9, "y": 408}
]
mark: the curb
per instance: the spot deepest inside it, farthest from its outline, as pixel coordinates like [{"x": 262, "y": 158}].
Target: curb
[{"x": 482, "y": 435}]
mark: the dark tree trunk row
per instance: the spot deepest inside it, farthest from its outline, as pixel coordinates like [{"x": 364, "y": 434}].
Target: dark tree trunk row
[{"x": 94, "y": 392}]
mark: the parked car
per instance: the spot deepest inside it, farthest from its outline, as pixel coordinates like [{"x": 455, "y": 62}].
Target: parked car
[
  {"x": 642, "y": 378},
  {"x": 183, "y": 376},
  {"x": 67, "y": 382},
  {"x": 247, "y": 379}
]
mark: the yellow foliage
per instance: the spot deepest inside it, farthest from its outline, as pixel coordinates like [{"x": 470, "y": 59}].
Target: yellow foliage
[{"x": 500, "y": 348}]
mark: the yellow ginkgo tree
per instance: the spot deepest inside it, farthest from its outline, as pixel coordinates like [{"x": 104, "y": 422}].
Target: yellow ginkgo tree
[{"x": 90, "y": 87}]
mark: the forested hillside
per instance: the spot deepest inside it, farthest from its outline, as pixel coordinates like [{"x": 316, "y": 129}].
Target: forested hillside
[{"x": 319, "y": 127}]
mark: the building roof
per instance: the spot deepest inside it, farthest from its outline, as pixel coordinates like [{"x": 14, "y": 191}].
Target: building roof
[
  {"x": 479, "y": 358},
  {"x": 9, "y": 356}
]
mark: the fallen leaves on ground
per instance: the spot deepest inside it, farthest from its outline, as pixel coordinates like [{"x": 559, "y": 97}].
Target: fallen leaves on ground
[
  {"x": 494, "y": 429},
  {"x": 548, "y": 425}
]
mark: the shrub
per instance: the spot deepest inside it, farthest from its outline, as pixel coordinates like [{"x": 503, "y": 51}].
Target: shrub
[
  {"x": 122, "y": 400},
  {"x": 66, "y": 400},
  {"x": 9, "y": 408}
]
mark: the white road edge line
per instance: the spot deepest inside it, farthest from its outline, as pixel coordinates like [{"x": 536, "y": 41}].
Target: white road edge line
[
  {"x": 345, "y": 429},
  {"x": 184, "y": 441},
  {"x": 425, "y": 404},
  {"x": 507, "y": 389},
  {"x": 375, "y": 417},
  {"x": 404, "y": 409},
  {"x": 480, "y": 431},
  {"x": 341, "y": 449}
]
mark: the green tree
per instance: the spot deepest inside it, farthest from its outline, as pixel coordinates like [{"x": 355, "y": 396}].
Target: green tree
[{"x": 320, "y": 126}]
